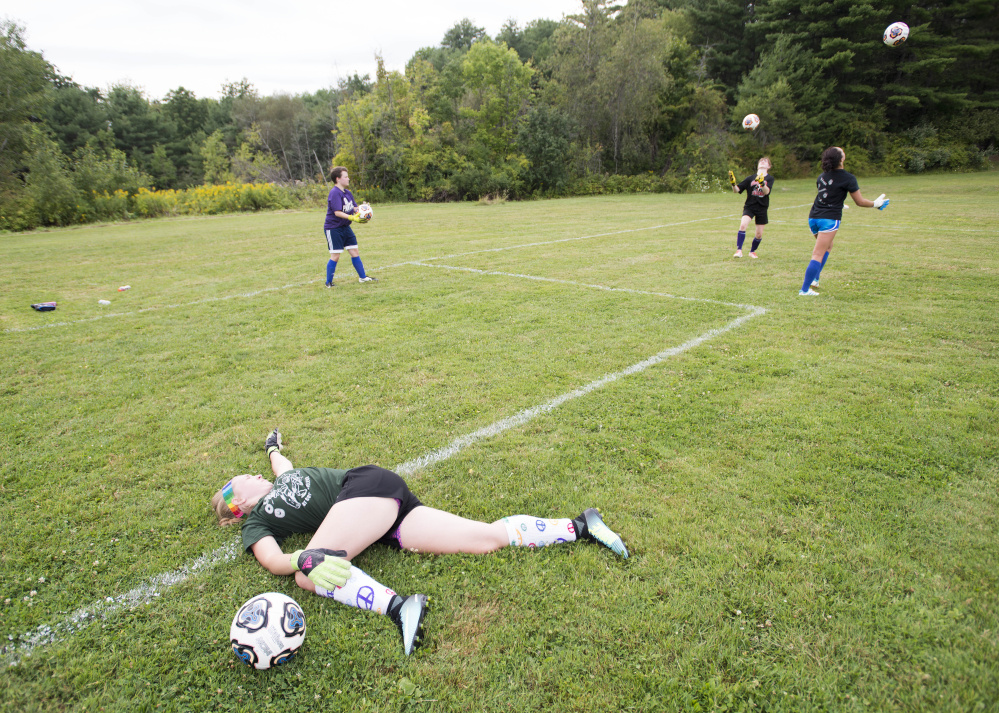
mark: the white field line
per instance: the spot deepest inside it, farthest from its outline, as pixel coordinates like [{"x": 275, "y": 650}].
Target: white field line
[
  {"x": 154, "y": 587},
  {"x": 109, "y": 606}
]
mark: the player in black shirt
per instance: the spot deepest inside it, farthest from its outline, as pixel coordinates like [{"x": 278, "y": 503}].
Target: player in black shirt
[
  {"x": 823, "y": 220},
  {"x": 758, "y": 188}
]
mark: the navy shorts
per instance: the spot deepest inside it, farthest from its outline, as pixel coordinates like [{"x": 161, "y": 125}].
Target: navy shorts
[
  {"x": 757, "y": 214},
  {"x": 339, "y": 239},
  {"x": 372, "y": 481}
]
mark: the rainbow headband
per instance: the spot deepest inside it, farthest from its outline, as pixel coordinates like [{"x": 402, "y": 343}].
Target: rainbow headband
[{"x": 227, "y": 495}]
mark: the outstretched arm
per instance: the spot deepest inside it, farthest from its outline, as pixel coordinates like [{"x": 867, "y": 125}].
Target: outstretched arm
[
  {"x": 878, "y": 202},
  {"x": 269, "y": 555}
]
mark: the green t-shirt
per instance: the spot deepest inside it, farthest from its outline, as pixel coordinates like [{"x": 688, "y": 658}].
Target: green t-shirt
[{"x": 298, "y": 502}]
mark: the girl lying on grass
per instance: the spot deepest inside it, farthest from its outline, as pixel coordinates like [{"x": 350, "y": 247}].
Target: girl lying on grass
[{"x": 348, "y": 510}]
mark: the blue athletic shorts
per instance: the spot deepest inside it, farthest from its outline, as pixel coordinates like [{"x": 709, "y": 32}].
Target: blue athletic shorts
[
  {"x": 822, "y": 225},
  {"x": 339, "y": 239}
]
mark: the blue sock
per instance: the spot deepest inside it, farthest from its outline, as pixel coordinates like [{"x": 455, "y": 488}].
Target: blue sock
[
  {"x": 330, "y": 269},
  {"x": 756, "y": 244},
  {"x": 359, "y": 266},
  {"x": 740, "y": 239},
  {"x": 824, "y": 258},
  {"x": 814, "y": 266}
]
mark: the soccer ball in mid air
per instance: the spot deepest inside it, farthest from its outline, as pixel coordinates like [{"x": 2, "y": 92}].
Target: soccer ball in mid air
[
  {"x": 896, "y": 33},
  {"x": 364, "y": 210},
  {"x": 750, "y": 122},
  {"x": 267, "y": 630}
]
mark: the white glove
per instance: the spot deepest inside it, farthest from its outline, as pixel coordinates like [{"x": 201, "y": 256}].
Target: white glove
[{"x": 881, "y": 202}]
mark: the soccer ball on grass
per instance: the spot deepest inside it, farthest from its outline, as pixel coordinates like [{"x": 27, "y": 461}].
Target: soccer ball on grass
[
  {"x": 896, "y": 33},
  {"x": 750, "y": 122},
  {"x": 267, "y": 630}
]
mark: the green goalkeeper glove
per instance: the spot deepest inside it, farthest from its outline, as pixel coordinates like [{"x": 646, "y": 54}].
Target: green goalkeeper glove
[
  {"x": 326, "y": 568},
  {"x": 731, "y": 178},
  {"x": 273, "y": 442}
]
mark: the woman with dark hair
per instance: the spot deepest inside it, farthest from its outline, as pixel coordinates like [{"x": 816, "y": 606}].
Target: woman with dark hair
[
  {"x": 348, "y": 510},
  {"x": 823, "y": 220}
]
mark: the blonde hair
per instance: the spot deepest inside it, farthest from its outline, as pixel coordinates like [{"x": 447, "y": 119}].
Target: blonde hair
[{"x": 222, "y": 511}]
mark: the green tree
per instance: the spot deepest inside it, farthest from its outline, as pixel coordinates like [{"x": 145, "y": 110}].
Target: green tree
[
  {"x": 25, "y": 78},
  {"x": 215, "y": 157}
]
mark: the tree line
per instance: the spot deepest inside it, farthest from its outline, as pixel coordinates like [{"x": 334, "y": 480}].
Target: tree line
[{"x": 647, "y": 95}]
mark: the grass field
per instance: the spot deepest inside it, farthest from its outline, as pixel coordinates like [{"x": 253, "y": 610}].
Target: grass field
[{"x": 808, "y": 486}]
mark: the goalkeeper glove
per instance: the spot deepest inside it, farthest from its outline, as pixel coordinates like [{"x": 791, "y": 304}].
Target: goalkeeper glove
[
  {"x": 761, "y": 178},
  {"x": 326, "y": 568},
  {"x": 731, "y": 178},
  {"x": 881, "y": 202},
  {"x": 354, "y": 218},
  {"x": 273, "y": 442}
]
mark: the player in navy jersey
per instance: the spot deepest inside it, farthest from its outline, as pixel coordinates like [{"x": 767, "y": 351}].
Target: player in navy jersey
[
  {"x": 341, "y": 211},
  {"x": 349, "y": 510},
  {"x": 758, "y": 188},
  {"x": 823, "y": 220}
]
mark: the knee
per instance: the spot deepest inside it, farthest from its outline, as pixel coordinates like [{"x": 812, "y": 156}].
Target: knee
[{"x": 304, "y": 582}]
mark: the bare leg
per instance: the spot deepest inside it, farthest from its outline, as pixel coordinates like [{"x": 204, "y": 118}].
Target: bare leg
[
  {"x": 823, "y": 244},
  {"x": 352, "y": 525},
  {"x": 426, "y": 529}
]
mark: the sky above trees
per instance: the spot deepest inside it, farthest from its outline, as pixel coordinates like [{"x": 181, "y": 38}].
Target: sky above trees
[{"x": 289, "y": 48}]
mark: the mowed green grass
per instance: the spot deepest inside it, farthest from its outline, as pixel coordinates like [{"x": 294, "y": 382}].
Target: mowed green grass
[{"x": 809, "y": 497}]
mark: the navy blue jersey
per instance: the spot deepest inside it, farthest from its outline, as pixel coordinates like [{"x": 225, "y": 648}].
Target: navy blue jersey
[
  {"x": 834, "y": 186},
  {"x": 339, "y": 200}
]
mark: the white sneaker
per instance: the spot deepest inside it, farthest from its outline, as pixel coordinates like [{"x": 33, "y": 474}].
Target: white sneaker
[
  {"x": 815, "y": 282},
  {"x": 810, "y": 293},
  {"x": 753, "y": 255},
  {"x": 738, "y": 253},
  {"x": 369, "y": 278}
]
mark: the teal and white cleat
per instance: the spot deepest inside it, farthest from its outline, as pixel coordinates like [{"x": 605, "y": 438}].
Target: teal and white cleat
[
  {"x": 591, "y": 526},
  {"x": 408, "y": 616},
  {"x": 810, "y": 293}
]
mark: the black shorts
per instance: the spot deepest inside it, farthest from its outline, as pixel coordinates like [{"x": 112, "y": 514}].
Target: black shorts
[
  {"x": 372, "y": 481},
  {"x": 758, "y": 214}
]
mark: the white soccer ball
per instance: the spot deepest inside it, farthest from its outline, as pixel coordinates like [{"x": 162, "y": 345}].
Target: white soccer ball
[
  {"x": 364, "y": 210},
  {"x": 896, "y": 33},
  {"x": 750, "y": 122},
  {"x": 267, "y": 630}
]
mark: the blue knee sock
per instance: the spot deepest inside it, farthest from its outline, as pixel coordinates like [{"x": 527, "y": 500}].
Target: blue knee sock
[
  {"x": 330, "y": 269},
  {"x": 756, "y": 244},
  {"x": 740, "y": 239},
  {"x": 359, "y": 266},
  {"x": 810, "y": 274},
  {"x": 824, "y": 258}
]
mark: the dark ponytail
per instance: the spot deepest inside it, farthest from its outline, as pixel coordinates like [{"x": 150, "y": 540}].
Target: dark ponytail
[{"x": 832, "y": 157}]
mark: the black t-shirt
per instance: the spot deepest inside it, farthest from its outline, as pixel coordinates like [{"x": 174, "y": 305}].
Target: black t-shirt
[
  {"x": 755, "y": 197},
  {"x": 834, "y": 186},
  {"x": 298, "y": 502}
]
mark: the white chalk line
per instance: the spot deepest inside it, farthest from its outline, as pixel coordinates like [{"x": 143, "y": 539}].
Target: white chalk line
[
  {"x": 209, "y": 300},
  {"x": 155, "y": 586}
]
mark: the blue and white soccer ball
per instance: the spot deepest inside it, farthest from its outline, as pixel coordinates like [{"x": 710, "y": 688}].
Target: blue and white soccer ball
[
  {"x": 896, "y": 33},
  {"x": 750, "y": 122},
  {"x": 364, "y": 210},
  {"x": 267, "y": 630}
]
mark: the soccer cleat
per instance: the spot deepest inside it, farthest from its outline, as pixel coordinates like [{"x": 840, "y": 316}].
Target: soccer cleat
[
  {"x": 408, "y": 615},
  {"x": 273, "y": 442},
  {"x": 815, "y": 282},
  {"x": 591, "y": 526},
  {"x": 738, "y": 253},
  {"x": 753, "y": 255},
  {"x": 331, "y": 284},
  {"x": 368, "y": 278},
  {"x": 810, "y": 293}
]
